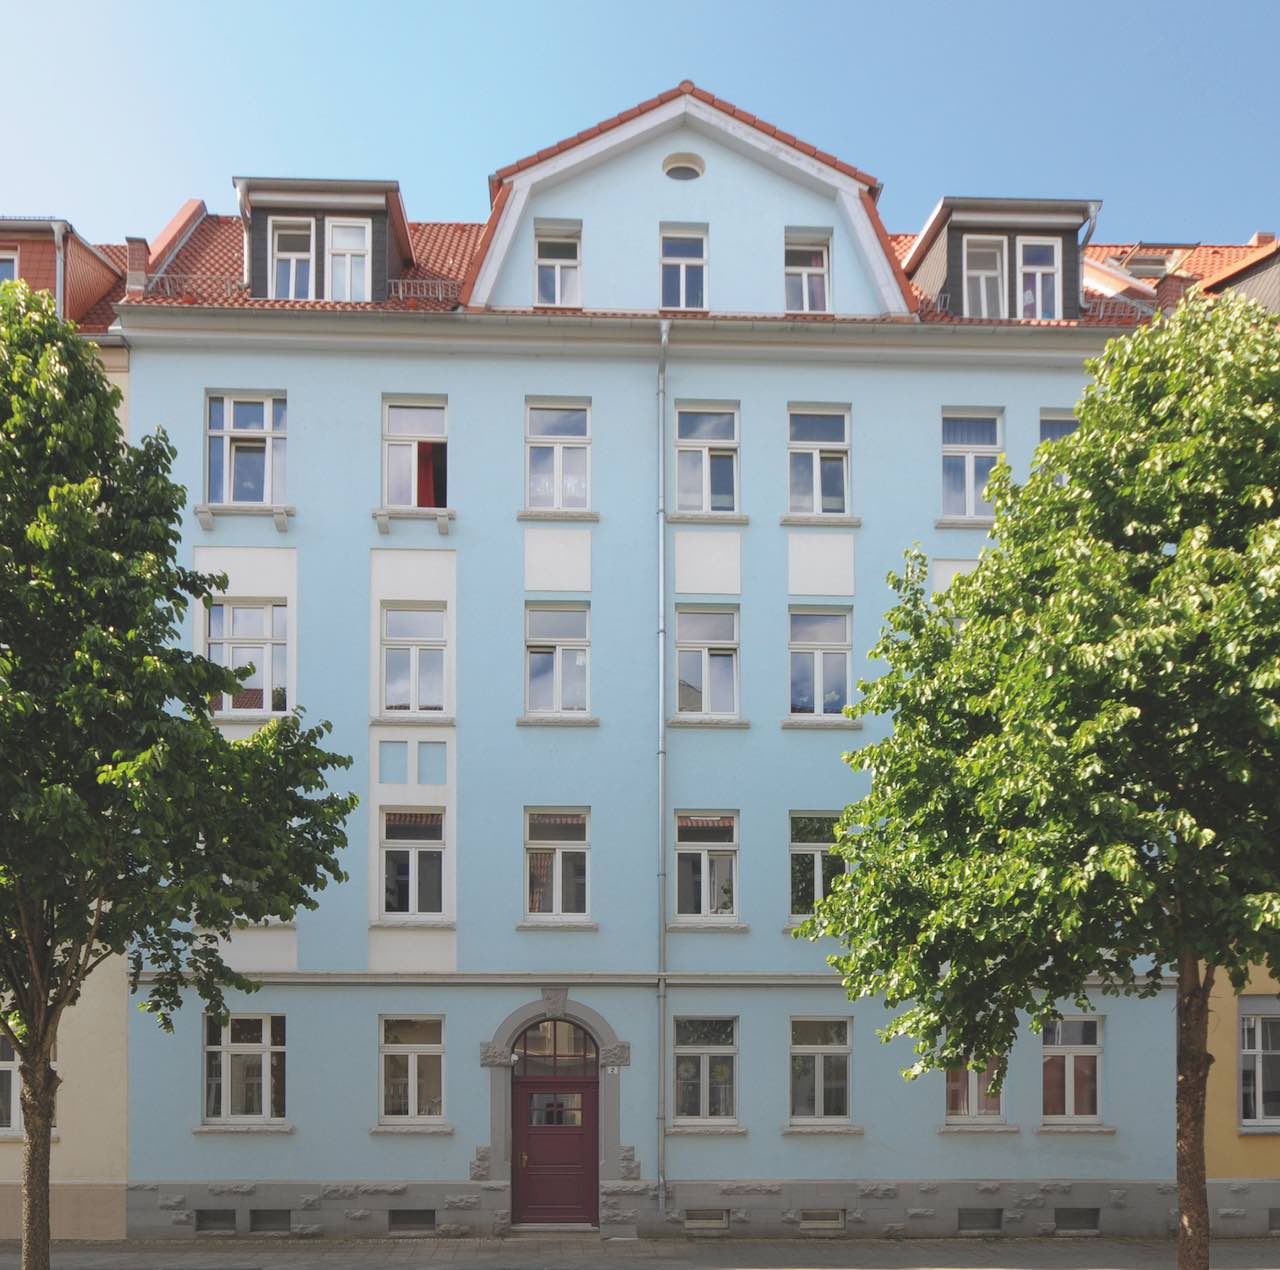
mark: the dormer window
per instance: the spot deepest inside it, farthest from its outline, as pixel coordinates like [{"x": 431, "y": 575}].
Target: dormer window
[
  {"x": 348, "y": 259},
  {"x": 984, "y": 277},
  {"x": 1039, "y": 277},
  {"x": 292, "y": 245},
  {"x": 557, "y": 270},
  {"x": 805, "y": 266}
]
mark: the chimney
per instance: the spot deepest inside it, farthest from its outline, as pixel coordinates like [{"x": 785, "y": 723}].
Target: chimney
[
  {"x": 135, "y": 280},
  {"x": 1261, "y": 239}
]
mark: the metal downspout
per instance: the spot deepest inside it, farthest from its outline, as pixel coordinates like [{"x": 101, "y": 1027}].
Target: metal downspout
[{"x": 664, "y": 332}]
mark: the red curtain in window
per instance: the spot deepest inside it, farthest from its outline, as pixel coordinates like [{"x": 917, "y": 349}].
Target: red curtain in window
[{"x": 426, "y": 474}]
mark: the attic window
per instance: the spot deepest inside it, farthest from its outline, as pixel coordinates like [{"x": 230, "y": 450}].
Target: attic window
[{"x": 683, "y": 167}]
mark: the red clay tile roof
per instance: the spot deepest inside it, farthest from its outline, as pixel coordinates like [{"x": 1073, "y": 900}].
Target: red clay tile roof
[
  {"x": 1202, "y": 261},
  {"x": 101, "y": 314}
]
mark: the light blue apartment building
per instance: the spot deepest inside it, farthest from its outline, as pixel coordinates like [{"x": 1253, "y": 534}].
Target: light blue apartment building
[{"x": 576, "y": 525}]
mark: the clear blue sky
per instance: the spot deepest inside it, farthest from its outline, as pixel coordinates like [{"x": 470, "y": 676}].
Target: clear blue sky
[{"x": 1166, "y": 111}]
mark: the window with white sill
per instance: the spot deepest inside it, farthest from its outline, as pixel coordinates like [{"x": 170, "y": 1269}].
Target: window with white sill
[
  {"x": 558, "y": 457},
  {"x": 819, "y": 650},
  {"x": 814, "y": 866},
  {"x": 707, "y": 460},
  {"x": 707, "y": 663},
  {"x": 11, "y": 1088},
  {"x": 684, "y": 271},
  {"x": 413, "y": 659},
  {"x": 970, "y": 450},
  {"x": 244, "y": 1069},
  {"x": 411, "y": 1070},
  {"x": 706, "y": 1052},
  {"x": 1260, "y": 1069},
  {"x": 969, "y": 1100},
  {"x": 1072, "y": 1060},
  {"x": 1040, "y": 277},
  {"x": 820, "y": 1055},
  {"x": 292, "y": 257},
  {"x": 348, "y": 259},
  {"x": 985, "y": 292},
  {"x": 818, "y": 463},
  {"x": 805, "y": 269},
  {"x": 251, "y": 634},
  {"x": 556, "y": 871},
  {"x": 557, "y": 659},
  {"x": 414, "y": 454},
  {"x": 558, "y": 271},
  {"x": 706, "y": 865},
  {"x": 413, "y": 862},
  {"x": 246, "y": 450}
]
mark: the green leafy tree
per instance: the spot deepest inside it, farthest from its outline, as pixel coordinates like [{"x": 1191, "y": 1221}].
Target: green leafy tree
[
  {"x": 129, "y": 826},
  {"x": 1081, "y": 789}
]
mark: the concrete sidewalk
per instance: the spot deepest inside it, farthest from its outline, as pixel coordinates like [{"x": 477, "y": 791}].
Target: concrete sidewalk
[{"x": 579, "y": 1253}]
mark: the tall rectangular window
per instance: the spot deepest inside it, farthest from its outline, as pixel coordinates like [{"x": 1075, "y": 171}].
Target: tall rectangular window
[
  {"x": 706, "y": 864},
  {"x": 814, "y": 866},
  {"x": 707, "y": 460},
  {"x": 556, "y": 850},
  {"x": 1260, "y": 1069},
  {"x": 807, "y": 285},
  {"x": 414, "y": 454},
  {"x": 707, "y": 662},
  {"x": 819, "y": 1069},
  {"x": 558, "y": 278},
  {"x": 11, "y": 1085},
  {"x": 411, "y": 1063},
  {"x": 818, "y": 462},
  {"x": 252, "y": 634},
  {"x": 557, "y": 659},
  {"x": 1040, "y": 277},
  {"x": 684, "y": 271},
  {"x": 558, "y": 457},
  {"x": 985, "y": 292},
  {"x": 819, "y": 650},
  {"x": 246, "y": 448},
  {"x": 348, "y": 259},
  {"x": 1056, "y": 424},
  {"x": 244, "y": 1073},
  {"x": 292, "y": 253},
  {"x": 706, "y": 1052},
  {"x": 970, "y": 449},
  {"x": 413, "y": 662},
  {"x": 413, "y": 861},
  {"x": 8, "y": 266},
  {"x": 1072, "y": 1058},
  {"x": 969, "y": 1097}
]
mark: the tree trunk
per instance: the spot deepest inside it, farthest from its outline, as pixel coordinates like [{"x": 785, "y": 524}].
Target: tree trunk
[
  {"x": 39, "y": 1084},
  {"x": 1194, "y": 1060}
]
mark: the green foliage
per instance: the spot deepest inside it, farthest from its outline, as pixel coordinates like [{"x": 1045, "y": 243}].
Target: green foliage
[
  {"x": 1081, "y": 781},
  {"x": 128, "y": 824}
]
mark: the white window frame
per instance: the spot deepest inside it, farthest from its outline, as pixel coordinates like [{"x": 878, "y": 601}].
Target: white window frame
[
  {"x": 533, "y": 441},
  {"x": 15, "y": 1128},
  {"x": 11, "y": 253},
  {"x": 1255, "y": 1054},
  {"x": 985, "y": 240},
  {"x": 683, "y": 262},
  {"x": 558, "y": 264},
  {"x": 820, "y": 1053},
  {"x": 705, "y": 448},
  {"x": 414, "y": 1051},
  {"x": 805, "y": 272},
  {"x": 271, "y": 437},
  {"x": 330, "y": 256},
  {"x": 1070, "y": 1052},
  {"x": 969, "y": 452},
  {"x": 268, "y": 642},
  {"x": 226, "y": 1048},
  {"x": 1040, "y": 271},
  {"x": 704, "y": 1053},
  {"x": 817, "y": 650},
  {"x": 417, "y": 848},
  {"x": 412, "y": 440},
  {"x": 704, "y": 850},
  {"x": 707, "y": 647},
  {"x": 415, "y": 644},
  {"x": 293, "y": 224},
  {"x": 558, "y": 848},
  {"x": 815, "y": 855},
  {"x": 817, "y": 451},
  {"x": 974, "y": 1100},
  {"x": 558, "y": 644}
]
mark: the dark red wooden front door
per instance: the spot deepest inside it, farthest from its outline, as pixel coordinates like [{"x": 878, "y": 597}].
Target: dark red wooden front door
[{"x": 555, "y": 1129}]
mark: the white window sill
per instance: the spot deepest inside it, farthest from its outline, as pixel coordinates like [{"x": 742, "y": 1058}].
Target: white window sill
[
  {"x": 800, "y": 1129},
  {"x": 1255, "y": 1130},
  {"x": 706, "y": 721},
  {"x": 414, "y": 923},
  {"x": 412, "y": 719},
  {"x": 207, "y": 513},
  {"x": 975, "y": 1126},
  {"x": 556, "y": 924},
  {"x": 248, "y": 716},
  {"x": 709, "y": 1129},
  {"x": 727, "y": 927},
  {"x": 964, "y": 522},
  {"x": 707, "y": 518},
  {"x": 258, "y": 1126},
  {"x": 836, "y": 520},
  {"x": 383, "y": 516},
  {"x": 557, "y": 513},
  {"x": 821, "y": 723},
  {"x": 17, "y": 1137},
  {"x": 557, "y": 721},
  {"x": 1077, "y": 1128},
  {"x": 438, "y": 1128}
]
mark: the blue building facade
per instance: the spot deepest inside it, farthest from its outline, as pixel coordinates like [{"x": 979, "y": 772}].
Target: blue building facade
[{"x": 576, "y": 526}]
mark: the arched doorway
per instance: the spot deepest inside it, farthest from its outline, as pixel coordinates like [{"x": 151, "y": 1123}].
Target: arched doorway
[{"x": 555, "y": 1151}]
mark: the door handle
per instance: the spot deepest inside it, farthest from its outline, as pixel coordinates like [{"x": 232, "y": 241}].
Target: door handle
[{"x": 524, "y": 1159}]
